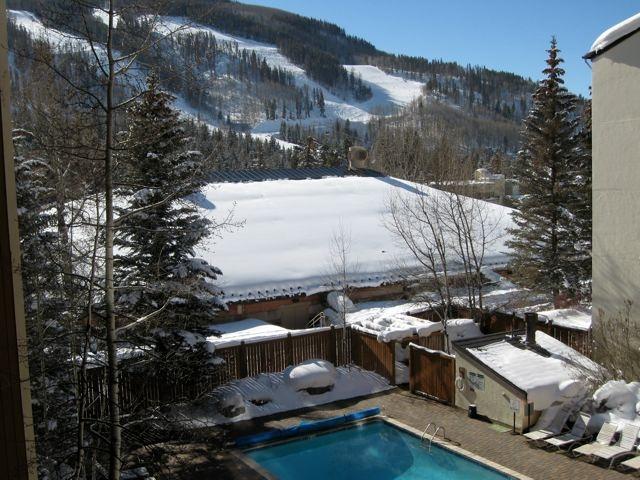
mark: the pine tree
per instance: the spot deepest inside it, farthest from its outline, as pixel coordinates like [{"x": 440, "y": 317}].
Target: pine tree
[
  {"x": 580, "y": 207},
  {"x": 160, "y": 226},
  {"x": 541, "y": 240}
]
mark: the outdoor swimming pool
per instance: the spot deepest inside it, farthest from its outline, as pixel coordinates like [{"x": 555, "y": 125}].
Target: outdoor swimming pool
[{"x": 374, "y": 450}]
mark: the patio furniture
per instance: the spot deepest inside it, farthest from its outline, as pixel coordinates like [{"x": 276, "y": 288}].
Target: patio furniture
[
  {"x": 554, "y": 418},
  {"x": 623, "y": 448},
  {"x": 604, "y": 438},
  {"x": 632, "y": 463},
  {"x": 579, "y": 432}
]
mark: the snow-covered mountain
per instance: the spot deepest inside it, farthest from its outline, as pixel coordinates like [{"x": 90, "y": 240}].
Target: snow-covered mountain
[{"x": 234, "y": 91}]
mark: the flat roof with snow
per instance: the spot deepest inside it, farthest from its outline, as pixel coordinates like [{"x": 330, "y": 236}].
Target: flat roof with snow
[
  {"x": 284, "y": 245},
  {"x": 549, "y": 372},
  {"x": 567, "y": 318}
]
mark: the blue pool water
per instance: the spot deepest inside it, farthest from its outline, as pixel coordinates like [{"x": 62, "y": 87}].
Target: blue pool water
[{"x": 370, "y": 451}]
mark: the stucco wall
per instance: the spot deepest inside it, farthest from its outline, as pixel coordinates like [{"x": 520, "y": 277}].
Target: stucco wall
[
  {"x": 616, "y": 177},
  {"x": 492, "y": 402}
]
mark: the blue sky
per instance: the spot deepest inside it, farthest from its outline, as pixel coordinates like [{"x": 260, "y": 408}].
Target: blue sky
[{"x": 505, "y": 35}]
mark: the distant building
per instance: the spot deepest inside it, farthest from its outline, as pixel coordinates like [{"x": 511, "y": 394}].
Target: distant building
[
  {"x": 277, "y": 266},
  {"x": 485, "y": 185},
  {"x": 615, "y": 59}
]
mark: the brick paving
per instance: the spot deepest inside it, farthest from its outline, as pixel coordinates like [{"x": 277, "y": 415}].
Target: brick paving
[{"x": 511, "y": 451}]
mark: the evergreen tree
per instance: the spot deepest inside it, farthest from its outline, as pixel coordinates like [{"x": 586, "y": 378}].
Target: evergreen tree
[
  {"x": 543, "y": 251},
  {"x": 160, "y": 227},
  {"x": 580, "y": 207}
]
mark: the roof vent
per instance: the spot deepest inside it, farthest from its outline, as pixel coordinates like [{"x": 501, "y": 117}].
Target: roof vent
[
  {"x": 358, "y": 158},
  {"x": 531, "y": 321}
]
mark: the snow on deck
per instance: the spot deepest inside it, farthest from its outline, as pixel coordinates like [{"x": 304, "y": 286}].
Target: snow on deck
[
  {"x": 567, "y": 318},
  {"x": 545, "y": 379},
  {"x": 615, "y": 33},
  {"x": 279, "y": 394},
  {"x": 283, "y": 249}
]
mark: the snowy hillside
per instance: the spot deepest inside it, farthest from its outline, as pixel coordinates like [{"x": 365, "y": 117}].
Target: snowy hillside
[
  {"x": 389, "y": 92},
  {"x": 387, "y": 89}
]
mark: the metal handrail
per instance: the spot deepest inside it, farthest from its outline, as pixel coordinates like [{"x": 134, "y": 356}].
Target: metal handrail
[
  {"x": 424, "y": 432},
  {"x": 444, "y": 435},
  {"x": 319, "y": 318}
]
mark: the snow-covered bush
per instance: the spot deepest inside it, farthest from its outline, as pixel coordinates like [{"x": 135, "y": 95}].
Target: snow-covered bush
[
  {"x": 311, "y": 374},
  {"x": 617, "y": 402},
  {"x": 230, "y": 403}
]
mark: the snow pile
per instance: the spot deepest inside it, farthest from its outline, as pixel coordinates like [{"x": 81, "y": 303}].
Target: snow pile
[
  {"x": 617, "y": 402},
  {"x": 230, "y": 403},
  {"x": 615, "y": 33},
  {"x": 268, "y": 394},
  {"x": 340, "y": 302},
  {"x": 567, "y": 318},
  {"x": 546, "y": 379},
  {"x": 311, "y": 374},
  {"x": 283, "y": 247},
  {"x": 462, "y": 329},
  {"x": 396, "y": 327},
  {"x": 249, "y": 330}
]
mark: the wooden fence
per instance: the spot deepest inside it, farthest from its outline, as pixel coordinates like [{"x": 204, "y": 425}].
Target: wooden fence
[
  {"x": 336, "y": 345},
  {"x": 432, "y": 373},
  {"x": 370, "y": 354},
  {"x": 498, "y": 322}
]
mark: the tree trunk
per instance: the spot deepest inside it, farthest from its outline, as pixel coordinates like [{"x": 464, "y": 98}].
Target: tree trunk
[{"x": 115, "y": 429}]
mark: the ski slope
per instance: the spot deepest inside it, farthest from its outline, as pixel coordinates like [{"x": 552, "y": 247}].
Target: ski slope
[
  {"x": 389, "y": 91},
  {"x": 57, "y": 39}
]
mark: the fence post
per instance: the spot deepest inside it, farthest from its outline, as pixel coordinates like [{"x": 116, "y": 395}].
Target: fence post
[
  {"x": 392, "y": 344},
  {"x": 288, "y": 346},
  {"x": 412, "y": 381},
  {"x": 242, "y": 361},
  {"x": 333, "y": 356}
]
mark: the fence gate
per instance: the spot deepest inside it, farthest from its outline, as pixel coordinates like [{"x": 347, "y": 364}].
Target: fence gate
[{"x": 432, "y": 373}]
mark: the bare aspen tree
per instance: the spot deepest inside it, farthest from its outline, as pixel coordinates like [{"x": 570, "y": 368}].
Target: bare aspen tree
[
  {"x": 118, "y": 85},
  {"x": 447, "y": 234},
  {"x": 342, "y": 269}
]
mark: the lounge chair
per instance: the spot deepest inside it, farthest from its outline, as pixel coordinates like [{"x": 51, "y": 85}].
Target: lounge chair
[
  {"x": 632, "y": 463},
  {"x": 578, "y": 433},
  {"x": 553, "y": 426},
  {"x": 603, "y": 439},
  {"x": 625, "y": 446}
]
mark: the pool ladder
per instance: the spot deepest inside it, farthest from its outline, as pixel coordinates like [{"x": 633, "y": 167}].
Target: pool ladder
[{"x": 425, "y": 432}]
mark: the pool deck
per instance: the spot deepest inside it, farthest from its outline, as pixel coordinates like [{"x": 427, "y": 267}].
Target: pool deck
[
  {"x": 477, "y": 437},
  {"x": 181, "y": 460}
]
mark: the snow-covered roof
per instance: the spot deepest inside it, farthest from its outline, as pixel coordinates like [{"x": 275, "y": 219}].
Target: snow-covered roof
[
  {"x": 567, "y": 318},
  {"x": 614, "y": 35},
  {"x": 264, "y": 174},
  {"x": 283, "y": 248},
  {"x": 462, "y": 329},
  {"x": 387, "y": 320},
  {"x": 249, "y": 330},
  {"x": 546, "y": 378}
]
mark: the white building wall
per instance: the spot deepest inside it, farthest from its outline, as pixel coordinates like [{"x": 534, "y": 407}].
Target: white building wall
[{"x": 616, "y": 177}]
